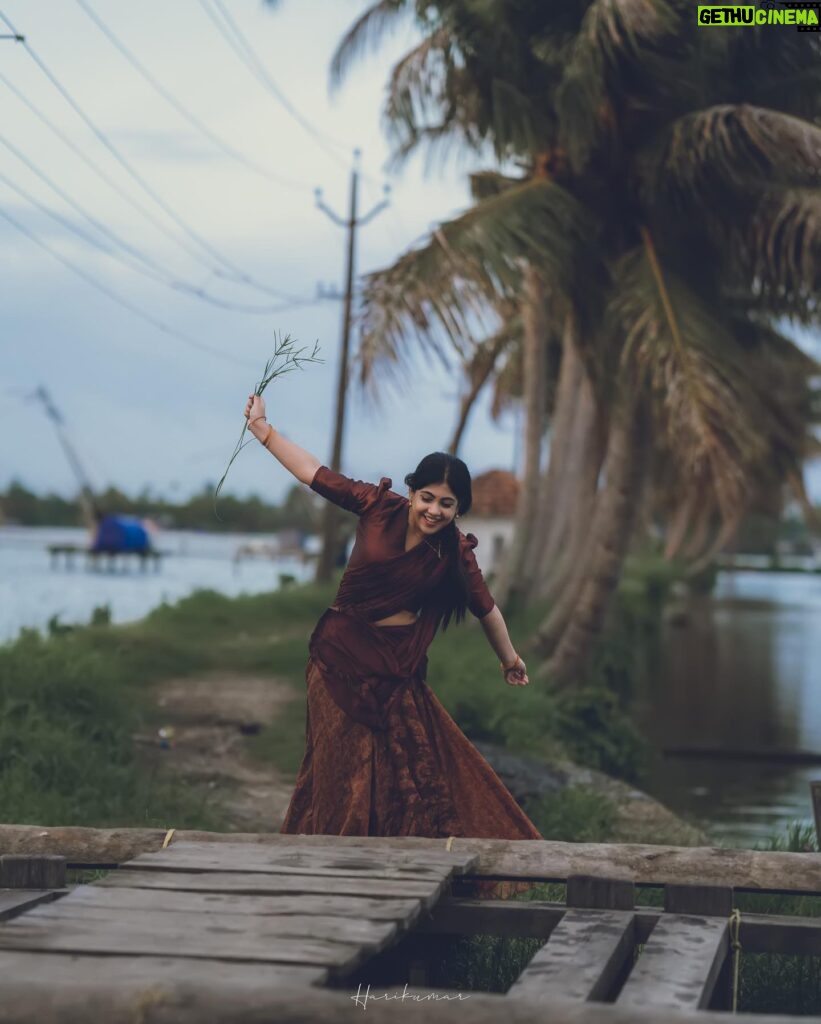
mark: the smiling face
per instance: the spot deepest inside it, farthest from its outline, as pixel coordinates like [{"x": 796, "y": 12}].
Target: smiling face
[{"x": 432, "y": 507}]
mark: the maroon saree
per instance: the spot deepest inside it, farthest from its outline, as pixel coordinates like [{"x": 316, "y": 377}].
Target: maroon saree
[{"x": 382, "y": 754}]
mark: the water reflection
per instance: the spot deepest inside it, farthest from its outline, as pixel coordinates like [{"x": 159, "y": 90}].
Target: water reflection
[{"x": 740, "y": 674}]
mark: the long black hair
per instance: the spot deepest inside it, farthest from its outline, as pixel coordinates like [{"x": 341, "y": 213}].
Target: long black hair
[{"x": 443, "y": 468}]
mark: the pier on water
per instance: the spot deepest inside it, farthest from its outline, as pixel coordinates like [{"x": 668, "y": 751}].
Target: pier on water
[
  {"x": 202, "y": 927},
  {"x": 109, "y": 561}
]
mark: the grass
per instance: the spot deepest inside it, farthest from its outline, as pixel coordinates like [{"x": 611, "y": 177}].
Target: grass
[{"x": 70, "y": 704}]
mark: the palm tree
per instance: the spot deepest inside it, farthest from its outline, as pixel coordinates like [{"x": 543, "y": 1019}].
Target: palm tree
[{"x": 669, "y": 201}]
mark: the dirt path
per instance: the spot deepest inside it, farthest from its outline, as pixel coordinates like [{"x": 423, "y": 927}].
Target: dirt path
[{"x": 212, "y": 718}]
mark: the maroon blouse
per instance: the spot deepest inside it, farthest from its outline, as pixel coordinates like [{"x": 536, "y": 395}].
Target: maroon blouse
[{"x": 380, "y": 538}]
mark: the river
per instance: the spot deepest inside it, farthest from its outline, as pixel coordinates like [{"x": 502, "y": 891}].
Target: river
[
  {"x": 740, "y": 673},
  {"x": 31, "y": 591}
]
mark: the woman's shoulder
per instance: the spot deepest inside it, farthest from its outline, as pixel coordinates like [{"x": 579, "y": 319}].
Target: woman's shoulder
[{"x": 467, "y": 541}]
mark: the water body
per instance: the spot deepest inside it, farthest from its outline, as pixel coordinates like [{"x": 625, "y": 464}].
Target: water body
[
  {"x": 741, "y": 673},
  {"x": 31, "y": 591}
]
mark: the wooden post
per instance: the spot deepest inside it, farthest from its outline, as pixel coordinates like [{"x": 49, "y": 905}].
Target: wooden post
[
  {"x": 47, "y": 871},
  {"x": 706, "y": 901},
  {"x": 600, "y": 893},
  {"x": 699, "y": 900},
  {"x": 815, "y": 791}
]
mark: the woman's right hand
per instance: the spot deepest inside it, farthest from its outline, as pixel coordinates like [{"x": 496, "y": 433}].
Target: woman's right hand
[{"x": 254, "y": 408}]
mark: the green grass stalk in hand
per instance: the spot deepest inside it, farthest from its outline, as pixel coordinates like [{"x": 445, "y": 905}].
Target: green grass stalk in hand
[{"x": 286, "y": 358}]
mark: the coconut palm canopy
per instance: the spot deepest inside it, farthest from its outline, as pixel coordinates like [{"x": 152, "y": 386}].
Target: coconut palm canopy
[{"x": 668, "y": 194}]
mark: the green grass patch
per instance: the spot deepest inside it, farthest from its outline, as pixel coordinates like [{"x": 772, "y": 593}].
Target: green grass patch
[{"x": 70, "y": 704}]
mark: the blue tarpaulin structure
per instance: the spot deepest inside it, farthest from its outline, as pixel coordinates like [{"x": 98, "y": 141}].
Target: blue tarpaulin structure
[{"x": 121, "y": 533}]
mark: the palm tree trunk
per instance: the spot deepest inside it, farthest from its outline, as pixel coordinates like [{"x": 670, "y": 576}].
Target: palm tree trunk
[
  {"x": 612, "y": 531},
  {"x": 587, "y": 455},
  {"x": 550, "y": 530},
  {"x": 563, "y": 584},
  {"x": 677, "y": 529},
  {"x": 513, "y": 583},
  {"x": 478, "y": 372}
]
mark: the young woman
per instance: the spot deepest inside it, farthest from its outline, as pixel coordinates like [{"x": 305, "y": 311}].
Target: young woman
[{"x": 383, "y": 756}]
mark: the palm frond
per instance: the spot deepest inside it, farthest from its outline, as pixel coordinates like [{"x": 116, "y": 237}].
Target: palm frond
[
  {"x": 614, "y": 35},
  {"x": 484, "y": 184},
  {"x": 442, "y": 294},
  {"x": 780, "y": 249},
  {"x": 367, "y": 31},
  {"x": 689, "y": 362},
  {"x": 706, "y": 154}
]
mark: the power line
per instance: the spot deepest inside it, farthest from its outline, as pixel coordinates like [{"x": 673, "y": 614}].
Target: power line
[
  {"x": 236, "y": 273},
  {"x": 184, "y": 112},
  {"x": 231, "y": 33},
  {"x": 172, "y": 332},
  {"x": 144, "y": 265}
]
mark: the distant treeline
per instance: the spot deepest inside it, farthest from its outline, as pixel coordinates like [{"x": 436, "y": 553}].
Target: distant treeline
[{"x": 299, "y": 511}]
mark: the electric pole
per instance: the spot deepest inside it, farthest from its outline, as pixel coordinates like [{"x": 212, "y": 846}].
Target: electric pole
[{"x": 330, "y": 522}]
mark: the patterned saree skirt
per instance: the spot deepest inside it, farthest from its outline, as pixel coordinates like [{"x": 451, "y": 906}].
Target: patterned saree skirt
[{"x": 382, "y": 755}]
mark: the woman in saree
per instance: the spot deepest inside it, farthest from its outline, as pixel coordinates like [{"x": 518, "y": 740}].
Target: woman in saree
[{"x": 382, "y": 756}]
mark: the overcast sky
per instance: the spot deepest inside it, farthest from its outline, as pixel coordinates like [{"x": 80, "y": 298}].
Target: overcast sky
[{"x": 144, "y": 408}]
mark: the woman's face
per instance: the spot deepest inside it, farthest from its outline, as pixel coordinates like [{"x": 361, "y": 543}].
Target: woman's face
[{"x": 432, "y": 507}]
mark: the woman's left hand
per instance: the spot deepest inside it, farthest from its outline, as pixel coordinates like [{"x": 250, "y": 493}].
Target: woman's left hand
[{"x": 517, "y": 675}]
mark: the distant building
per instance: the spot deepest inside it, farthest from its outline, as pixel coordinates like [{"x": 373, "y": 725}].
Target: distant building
[{"x": 492, "y": 517}]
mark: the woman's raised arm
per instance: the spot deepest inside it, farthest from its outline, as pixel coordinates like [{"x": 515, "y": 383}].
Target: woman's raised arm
[{"x": 296, "y": 460}]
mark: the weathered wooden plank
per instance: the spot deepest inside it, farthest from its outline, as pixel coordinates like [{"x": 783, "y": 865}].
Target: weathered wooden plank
[
  {"x": 225, "y": 857},
  {"x": 533, "y": 859},
  {"x": 17, "y": 901},
  {"x": 582, "y": 959},
  {"x": 49, "y": 1003},
  {"x": 223, "y": 941},
  {"x": 679, "y": 965},
  {"x": 600, "y": 893},
  {"x": 404, "y": 911},
  {"x": 32, "y": 871},
  {"x": 272, "y": 885},
  {"x": 290, "y": 854},
  {"x": 372, "y": 936},
  {"x": 67, "y": 973}
]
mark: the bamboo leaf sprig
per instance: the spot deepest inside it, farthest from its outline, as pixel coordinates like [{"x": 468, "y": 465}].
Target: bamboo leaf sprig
[{"x": 286, "y": 359}]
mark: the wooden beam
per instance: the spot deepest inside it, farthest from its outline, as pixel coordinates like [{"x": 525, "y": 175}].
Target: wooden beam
[
  {"x": 582, "y": 960},
  {"x": 526, "y": 859},
  {"x": 760, "y": 933},
  {"x": 17, "y": 901},
  {"x": 42, "y": 998},
  {"x": 679, "y": 966}
]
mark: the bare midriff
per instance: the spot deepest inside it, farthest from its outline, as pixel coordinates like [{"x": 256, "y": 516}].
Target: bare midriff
[{"x": 401, "y": 618}]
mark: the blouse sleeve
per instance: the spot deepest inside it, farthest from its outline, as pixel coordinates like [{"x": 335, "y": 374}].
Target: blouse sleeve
[
  {"x": 353, "y": 495},
  {"x": 480, "y": 600}
]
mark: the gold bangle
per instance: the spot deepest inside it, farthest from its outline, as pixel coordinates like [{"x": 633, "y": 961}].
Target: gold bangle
[{"x": 264, "y": 440}]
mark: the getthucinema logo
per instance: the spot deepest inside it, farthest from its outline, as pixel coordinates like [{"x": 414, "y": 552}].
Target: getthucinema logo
[{"x": 805, "y": 16}]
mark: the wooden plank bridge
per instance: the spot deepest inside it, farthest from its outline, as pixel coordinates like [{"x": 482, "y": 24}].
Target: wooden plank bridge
[{"x": 204, "y": 927}]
